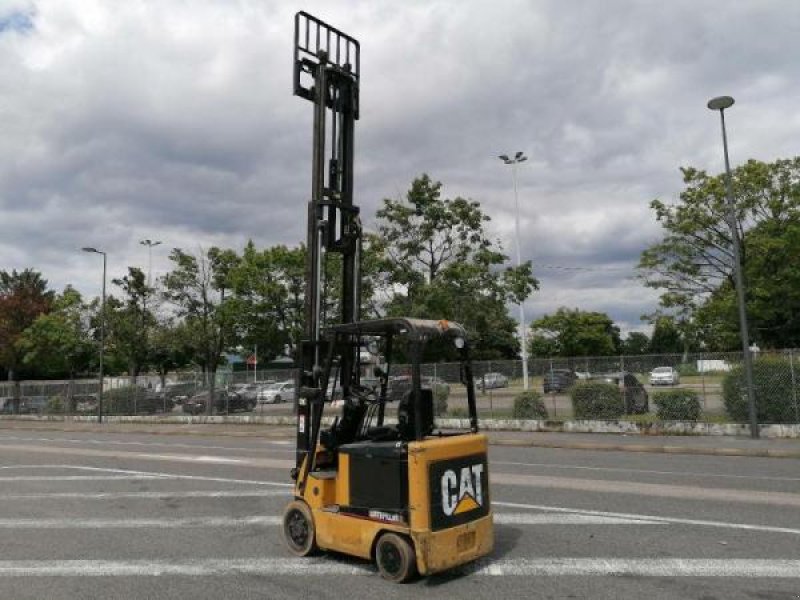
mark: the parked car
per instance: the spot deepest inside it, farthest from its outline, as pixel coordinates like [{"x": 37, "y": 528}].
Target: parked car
[
  {"x": 84, "y": 403},
  {"x": 664, "y": 376},
  {"x": 224, "y": 401},
  {"x": 558, "y": 380},
  {"x": 28, "y": 405},
  {"x": 248, "y": 391},
  {"x": 492, "y": 380},
  {"x": 277, "y": 393},
  {"x": 633, "y": 393},
  {"x": 179, "y": 392}
]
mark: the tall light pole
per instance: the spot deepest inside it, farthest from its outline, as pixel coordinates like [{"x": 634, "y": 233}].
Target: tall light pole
[
  {"x": 149, "y": 244},
  {"x": 519, "y": 157},
  {"x": 721, "y": 103},
  {"x": 102, "y": 333}
]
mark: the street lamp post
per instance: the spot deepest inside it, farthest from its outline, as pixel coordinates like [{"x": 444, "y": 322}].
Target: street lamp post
[
  {"x": 721, "y": 103},
  {"x": 519, "y": 157},
  {"x": 102, "y": 333},
  {"x": 149, "y": 244}
]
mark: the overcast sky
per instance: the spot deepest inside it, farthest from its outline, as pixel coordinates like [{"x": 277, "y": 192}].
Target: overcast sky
[{"x": 175, "y": 121}]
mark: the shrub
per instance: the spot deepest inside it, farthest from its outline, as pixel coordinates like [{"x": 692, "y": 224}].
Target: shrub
[
  {"x": 440, "y": 395},
  {"x": 55, "y": 404},
  {"x": 529, "y": 405},
  {"x": 687, "y": 369},
  {"x": 772, "y": 385},
  {"x": 677, "y": 405},
  {"x": 597, "y": 400},
  {"x": 459, "y": 413}
]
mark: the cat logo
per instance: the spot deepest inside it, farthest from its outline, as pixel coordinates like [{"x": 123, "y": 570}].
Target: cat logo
[
  {"x": 459, "y": 489},
  {"x": 462, "y": 490}
]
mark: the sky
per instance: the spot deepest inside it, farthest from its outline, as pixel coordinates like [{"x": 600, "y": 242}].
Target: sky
[{"x": 174, "y": 121}]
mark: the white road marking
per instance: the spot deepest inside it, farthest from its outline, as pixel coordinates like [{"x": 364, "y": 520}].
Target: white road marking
[
  {"x": 655, "y": 518},
  {"x": 564, "y": 510},
  {"x": 192, "y": 522},
  {"x": 658, "y": 490},
  {"x": 554, "y": 567},
  {"x": 147, "y": 495},
  {"x": 269, "y": 463},
  {"x": 644, "y": 471},
  {"x": 78, "y": 477},
  {"x": 642, "y": 567},
  {"x": 270, "y": 521},
  {"x": 175, "y": 476},
  {"x": 281, "y": 443}
]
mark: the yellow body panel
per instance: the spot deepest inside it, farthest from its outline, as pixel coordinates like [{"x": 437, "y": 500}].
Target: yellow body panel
[{"x": 436, "y": 550}]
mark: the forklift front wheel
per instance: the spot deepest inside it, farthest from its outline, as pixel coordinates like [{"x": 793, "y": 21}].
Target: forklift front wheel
[
  {"x": 395, "y": 558},
  {"x": 298, "y": 529}
]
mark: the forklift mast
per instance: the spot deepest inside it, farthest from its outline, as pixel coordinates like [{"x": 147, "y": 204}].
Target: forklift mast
[{"x": 326, "y": 72}]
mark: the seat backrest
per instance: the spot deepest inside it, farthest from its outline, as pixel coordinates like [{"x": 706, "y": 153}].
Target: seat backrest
[{"x": 406, "y": 419}]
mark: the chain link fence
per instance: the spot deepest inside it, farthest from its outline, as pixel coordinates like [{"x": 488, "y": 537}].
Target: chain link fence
[{"x": 711, "y": 383}]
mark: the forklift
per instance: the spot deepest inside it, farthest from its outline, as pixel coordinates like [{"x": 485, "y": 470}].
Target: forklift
[{"x": 410, "y": 496}]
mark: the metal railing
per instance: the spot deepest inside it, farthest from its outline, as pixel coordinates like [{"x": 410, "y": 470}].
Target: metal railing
[{"x": 714, "y": 379}]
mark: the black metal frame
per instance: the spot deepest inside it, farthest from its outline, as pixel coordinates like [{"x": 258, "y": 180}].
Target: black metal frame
[{"x": 332, "y": 60}]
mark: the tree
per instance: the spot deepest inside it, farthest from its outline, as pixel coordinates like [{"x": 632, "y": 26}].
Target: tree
[
  {"x": 436, "y": 261},
  {"x": 693, "y": 263},
  {"x": 199, "y": 287},
  {"x": 772, "y": 275},
  {"x": 573, "y": 332},
  {"x": 170, "y": 348},
  {"x": 267, "y": 308},
  {"x": 128, "y": 321},
  {"x": 23, "y": 297},
  {"x": 636, "y": 343},
  {"x": 59, "y": 343},
  {"x": 666, "y": 338}
]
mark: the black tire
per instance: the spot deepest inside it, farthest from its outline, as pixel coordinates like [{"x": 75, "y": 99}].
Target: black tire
[
  {"x": 395, "y": 557},
  {"x": 299, "y": 531},
  {"x": 277, "y": 399}
]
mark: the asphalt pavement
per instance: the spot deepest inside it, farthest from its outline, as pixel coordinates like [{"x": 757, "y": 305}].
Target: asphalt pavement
[{"x": 113, "y": 512}]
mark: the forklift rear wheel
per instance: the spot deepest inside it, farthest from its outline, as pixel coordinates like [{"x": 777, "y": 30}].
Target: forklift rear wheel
[
  {"x": 395, "y": 558},
  {"x": 298, "y": 529}
]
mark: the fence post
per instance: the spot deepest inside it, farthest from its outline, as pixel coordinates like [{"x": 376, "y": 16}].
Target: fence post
[
  {"x": 794, "y": 387},
  {"x": 703, "y": 381},
  {"x": 491, "y": 391}
]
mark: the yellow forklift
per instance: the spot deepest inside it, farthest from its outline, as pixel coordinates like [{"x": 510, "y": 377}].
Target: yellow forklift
[{"x": 406, "y": 494}]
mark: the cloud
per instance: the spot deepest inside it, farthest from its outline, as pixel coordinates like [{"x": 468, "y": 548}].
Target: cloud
[{"x": 175, "y": 121}]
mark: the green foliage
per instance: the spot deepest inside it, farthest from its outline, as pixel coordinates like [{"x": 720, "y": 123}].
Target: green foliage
[
  {"x": 458, "y": 413},
  {"x": 636, "y": 343},
  {"x": 529, "y": 405},
  {"x": 666, "y": 338},
  {"x": 575, "y": 332},
  {"x": 128, "y": 321},
  {"x": 55, "y": 405},
  {"x": 678, "y": 405},
  {"x": 437, "y": 261},
  {"x": 58, "y": 343},
  {"x": 693, "y": 263},
  {"x": 772, "y": 384},
  {"x": 440, "y": 396},
  {"x": 200, "y": 288},
  {"x": 597, "y": 400},
  {"x": 687, "y": 369},
  {"x": 23, "y": 298},
  {"x": 267, "y": 305}
]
